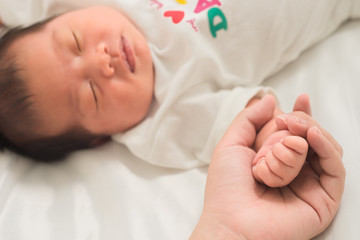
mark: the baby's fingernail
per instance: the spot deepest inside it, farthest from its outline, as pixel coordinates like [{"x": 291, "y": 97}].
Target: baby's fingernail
[
  {"x": 317, "y": 130},
  {"x": 283, "y": 117},
  {"x": 262, "y": 161},
  {"x": 280, "y": 120},
  {"x": 298, "y": 120}
]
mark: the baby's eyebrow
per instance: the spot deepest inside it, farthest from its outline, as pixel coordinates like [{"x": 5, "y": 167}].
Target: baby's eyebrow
[
  {"x": 55, "y": 44},
  {"x": 58, "y": 43}
]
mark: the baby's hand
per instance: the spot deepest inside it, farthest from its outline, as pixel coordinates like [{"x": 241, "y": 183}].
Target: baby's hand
[{"x": 280, "y": 159}]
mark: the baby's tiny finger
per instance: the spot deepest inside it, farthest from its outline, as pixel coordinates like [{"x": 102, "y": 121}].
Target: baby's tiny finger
[
  {"x": 263, "y": 174},
  {"x": 297, "y": 144},
  {"x": 297, "y": 126}
]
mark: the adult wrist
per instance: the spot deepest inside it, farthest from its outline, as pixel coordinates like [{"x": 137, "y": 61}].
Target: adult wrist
[{"x": 209, "y": 228}]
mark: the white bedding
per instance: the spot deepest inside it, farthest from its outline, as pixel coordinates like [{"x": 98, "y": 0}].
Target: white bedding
[{"x": 107, "y": 193}]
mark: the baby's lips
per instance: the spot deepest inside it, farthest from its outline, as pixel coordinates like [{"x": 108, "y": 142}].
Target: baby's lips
[{"x": 128, "y": 54}]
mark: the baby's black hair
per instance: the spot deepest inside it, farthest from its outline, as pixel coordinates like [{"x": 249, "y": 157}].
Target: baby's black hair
[{"x": 19, "y": 123}]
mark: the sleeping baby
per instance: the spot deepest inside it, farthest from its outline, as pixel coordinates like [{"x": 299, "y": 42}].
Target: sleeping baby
[{"x": 166, "y": 83}]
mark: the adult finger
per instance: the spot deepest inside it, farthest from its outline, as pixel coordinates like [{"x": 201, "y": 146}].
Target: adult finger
[
  {"x": 333, "y": 174},
  {"x": 302, "y": 104}
]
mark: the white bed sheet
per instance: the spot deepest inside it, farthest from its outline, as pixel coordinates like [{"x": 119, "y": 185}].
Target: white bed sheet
[{"x": 106, "y": 193}]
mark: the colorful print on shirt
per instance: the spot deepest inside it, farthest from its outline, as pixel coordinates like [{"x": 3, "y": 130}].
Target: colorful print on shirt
[{"x": 174, "y": 11}]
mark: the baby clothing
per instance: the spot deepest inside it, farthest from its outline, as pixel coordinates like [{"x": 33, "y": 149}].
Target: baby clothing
[{"x": 210, "y": 57}]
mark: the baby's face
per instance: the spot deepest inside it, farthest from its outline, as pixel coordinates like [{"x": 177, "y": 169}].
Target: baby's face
[{"x": 90, "y": 67}]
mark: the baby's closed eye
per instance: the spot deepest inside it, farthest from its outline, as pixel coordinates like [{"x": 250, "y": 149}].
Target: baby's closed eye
[
  {"x": 94, "y": 94},
  {"x": 77, "y": 43}
]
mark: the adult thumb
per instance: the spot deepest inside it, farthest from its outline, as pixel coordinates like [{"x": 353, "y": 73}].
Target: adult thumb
[{"x": 242, "y": 131}]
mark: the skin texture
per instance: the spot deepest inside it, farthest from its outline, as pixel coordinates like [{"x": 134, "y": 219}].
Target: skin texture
[
  {"x": 99, "y": 77},
  {"x": 236, "y": 206},
  {"x": 280, "y": 155},
  {"x": 280, "y": 159}
]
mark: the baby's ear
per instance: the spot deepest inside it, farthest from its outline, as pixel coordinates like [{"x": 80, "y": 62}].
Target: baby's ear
[{"x": 302, "y": 104}]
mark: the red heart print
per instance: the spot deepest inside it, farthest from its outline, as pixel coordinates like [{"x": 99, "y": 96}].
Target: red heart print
[{"x": 176, "y": 16}]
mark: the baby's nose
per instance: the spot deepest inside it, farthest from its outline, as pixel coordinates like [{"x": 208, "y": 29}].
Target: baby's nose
[{"x": 103, "y": 60}]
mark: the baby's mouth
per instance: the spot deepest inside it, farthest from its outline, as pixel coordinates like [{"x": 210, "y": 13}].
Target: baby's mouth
[{"x": 127, "y": 54}]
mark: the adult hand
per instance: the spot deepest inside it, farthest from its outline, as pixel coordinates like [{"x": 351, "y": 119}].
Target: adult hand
[{"x": 237, "y": 207}]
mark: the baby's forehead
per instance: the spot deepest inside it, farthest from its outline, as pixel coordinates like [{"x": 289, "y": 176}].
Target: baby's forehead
[{"x": 36, "y": 28}]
